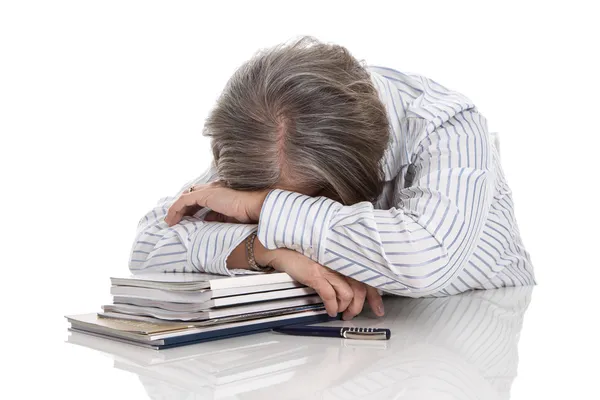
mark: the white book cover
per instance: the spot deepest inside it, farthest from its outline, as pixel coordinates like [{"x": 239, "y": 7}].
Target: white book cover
[
  {"x": 212, "y": 313},
  {"x": 198, "y": 295},
  {"x": 195, "y": 281},
  {"x": 218, "y": 302},
  {"x": 211, "y": 322}
]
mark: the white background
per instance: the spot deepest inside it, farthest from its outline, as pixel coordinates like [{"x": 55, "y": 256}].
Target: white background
[{"x": 102, "y": 104}]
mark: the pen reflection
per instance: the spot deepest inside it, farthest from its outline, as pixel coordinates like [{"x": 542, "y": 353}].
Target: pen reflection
[{"x": 458, "y": 347}]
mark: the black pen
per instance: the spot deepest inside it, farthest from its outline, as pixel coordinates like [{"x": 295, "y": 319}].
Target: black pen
[{"x": 332, "y": 331}]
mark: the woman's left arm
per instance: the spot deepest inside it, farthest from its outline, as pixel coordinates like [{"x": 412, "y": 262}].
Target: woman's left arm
[{"x": 414, "y": 249}]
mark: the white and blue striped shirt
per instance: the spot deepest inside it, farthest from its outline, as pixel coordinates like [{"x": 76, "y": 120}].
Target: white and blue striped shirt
[{"x": 444, "y": 223}]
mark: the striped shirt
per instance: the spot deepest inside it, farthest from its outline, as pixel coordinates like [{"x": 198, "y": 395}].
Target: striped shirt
[{"x": 443, "y": 224}]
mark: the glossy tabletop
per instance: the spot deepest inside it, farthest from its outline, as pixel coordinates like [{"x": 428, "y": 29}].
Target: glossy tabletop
[{"x": 495, "y": 344}]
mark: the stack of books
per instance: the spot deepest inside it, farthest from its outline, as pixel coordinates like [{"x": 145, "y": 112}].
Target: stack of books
[{"x": 162, "y": 310}]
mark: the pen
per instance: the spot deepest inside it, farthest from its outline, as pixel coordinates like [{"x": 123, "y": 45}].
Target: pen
[{"x": 332, "y": 331}]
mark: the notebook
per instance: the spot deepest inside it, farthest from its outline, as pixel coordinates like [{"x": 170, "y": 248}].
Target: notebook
[
  {"x": 198, "y": 281},
  {"x": 211, "y": 313},
  {"x": 196, "y": 295},
  {"x": 178, "y": 305},
  {"x": 165, "y": 335}
]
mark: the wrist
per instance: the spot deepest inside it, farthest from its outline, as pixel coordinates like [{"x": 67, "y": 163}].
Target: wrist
[
  {"x": 262, "y": 255},
  {"x": 260, "y": 201}
]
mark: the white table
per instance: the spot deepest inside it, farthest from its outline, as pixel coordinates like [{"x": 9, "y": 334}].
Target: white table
[{"x": 460, "y": 347}]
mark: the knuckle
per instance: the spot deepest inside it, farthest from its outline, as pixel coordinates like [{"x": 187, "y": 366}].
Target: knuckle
[
  {"x": 346, "y": 295},
  {"x": 360, "y": 290},
  {"x": 327, "y": 295}
]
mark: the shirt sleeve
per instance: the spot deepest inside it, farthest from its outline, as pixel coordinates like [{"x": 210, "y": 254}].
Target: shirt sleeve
[
  {"x": 192, "y": 245},
  {"x": 416, "y": 248}
]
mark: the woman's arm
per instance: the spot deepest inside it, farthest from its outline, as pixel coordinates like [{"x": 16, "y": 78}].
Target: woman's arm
[
  {"x": 191, "y": 245},
  {"x": 414, "y": 249}
]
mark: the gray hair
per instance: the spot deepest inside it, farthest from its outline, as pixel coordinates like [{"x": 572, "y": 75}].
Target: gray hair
[{"x": 305, "y": 112}]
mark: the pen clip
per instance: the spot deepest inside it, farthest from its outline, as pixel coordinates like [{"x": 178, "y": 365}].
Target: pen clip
[{"x": 363, "y": 333}]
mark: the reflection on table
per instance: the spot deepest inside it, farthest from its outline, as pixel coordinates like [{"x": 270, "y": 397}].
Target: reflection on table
[{"x": 458, "y": 347}]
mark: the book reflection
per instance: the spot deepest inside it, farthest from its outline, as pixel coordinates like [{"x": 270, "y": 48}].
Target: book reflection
[{"x": 457, "y": 347}]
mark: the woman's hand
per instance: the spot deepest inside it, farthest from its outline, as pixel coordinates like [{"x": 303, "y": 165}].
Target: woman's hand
[
  {"x": 227, "y": 205},
  {"x": 338, "y": 292}
]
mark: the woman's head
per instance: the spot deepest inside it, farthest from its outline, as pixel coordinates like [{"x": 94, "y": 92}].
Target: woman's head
[{"x": 302, "y": 116}]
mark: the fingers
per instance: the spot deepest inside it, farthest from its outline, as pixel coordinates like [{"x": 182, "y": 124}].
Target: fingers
[
  {"x": 328, "y": 295},
  {"x": 306, "y": 271},
  {"x": 229, "y": 202},
  {"x": 375, "y": 301},
  {"x": 200, "y": 197},
  {"x": 344, "y": 292},
  {"x": 213, "y": 216},
  {"x": 339, "y": 293},
  {"x": 356, "y": 305},
  {"x": 176, "y": 215},
  {"x": 178, "y": 209}
]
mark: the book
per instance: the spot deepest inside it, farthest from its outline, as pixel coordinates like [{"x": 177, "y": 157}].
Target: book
[
  {"x": 165, "y": 335},
  {"x": 197, "y": 281},
  {"x": 198, "y": 295},
  {"x": 164, "y": 310},
  {"x": 213, "y": 321},
  {"x": 176, "y": 306},
  {"x": 211, "y": 312}
]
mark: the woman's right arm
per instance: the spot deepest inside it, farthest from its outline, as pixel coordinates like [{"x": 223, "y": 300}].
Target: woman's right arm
[{"x": 192, "y": 245}]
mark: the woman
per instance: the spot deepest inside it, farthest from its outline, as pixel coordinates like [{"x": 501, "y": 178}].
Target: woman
[{"x": 354, "y": 180}]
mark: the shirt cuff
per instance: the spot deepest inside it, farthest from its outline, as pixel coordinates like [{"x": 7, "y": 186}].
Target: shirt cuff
[
  {"x": 296, "y": 221},
  {"x": 213, "y": 242}
]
